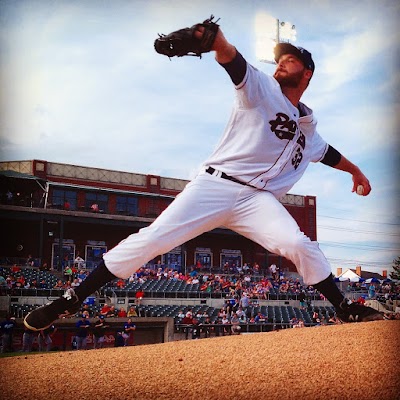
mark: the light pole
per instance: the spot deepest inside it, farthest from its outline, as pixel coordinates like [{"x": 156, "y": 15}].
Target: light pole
[{"x": 269, "y": 32}]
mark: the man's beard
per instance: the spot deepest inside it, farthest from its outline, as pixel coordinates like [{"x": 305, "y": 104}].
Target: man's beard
[{"x": 292, "y": 80}]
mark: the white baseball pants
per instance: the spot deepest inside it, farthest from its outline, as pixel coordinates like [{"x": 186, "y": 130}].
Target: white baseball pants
[{"x": 209, "y": 202}]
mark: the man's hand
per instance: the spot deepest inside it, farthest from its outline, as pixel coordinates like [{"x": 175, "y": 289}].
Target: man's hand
[
  {"x": 360, "y": 179},
  {"x": 224, "y": 51}
]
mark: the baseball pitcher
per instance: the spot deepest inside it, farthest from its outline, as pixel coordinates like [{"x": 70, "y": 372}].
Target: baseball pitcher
[{"x": 269, "y": 140}]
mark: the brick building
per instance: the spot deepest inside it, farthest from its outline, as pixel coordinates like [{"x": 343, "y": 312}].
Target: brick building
[{"x": 54, "y": 212}]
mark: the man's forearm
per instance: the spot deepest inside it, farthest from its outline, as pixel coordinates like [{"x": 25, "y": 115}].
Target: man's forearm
[
  {"x": 356, "y": 174},
  {"x": 224, "y": 51},
  {"x": 347, "y": 166}
]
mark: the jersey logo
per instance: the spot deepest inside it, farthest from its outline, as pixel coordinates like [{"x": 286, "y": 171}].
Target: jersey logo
[{"x": 283, "y": 127}]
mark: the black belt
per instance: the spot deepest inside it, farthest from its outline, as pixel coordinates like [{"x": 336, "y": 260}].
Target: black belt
[{"x": 211, "y": 170}]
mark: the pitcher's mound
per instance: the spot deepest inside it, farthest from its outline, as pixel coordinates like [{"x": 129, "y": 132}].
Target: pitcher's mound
[{"x": 350, "y": 361}]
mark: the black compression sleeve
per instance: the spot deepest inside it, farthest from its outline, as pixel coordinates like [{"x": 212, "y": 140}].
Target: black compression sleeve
[
  {"x": 236, "y": 68},
  {"x": 332, "y": 157}
]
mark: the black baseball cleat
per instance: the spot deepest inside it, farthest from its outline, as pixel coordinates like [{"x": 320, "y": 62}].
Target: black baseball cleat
[
  {"x": 44, "y": 316},
  {"x": 355, "y": 312}
]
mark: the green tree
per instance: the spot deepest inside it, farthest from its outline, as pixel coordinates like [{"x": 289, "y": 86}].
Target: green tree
[{"x": 396, "y": 269}]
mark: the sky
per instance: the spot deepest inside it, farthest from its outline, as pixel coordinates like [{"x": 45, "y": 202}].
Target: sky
[{"x": 81, "y": 84}]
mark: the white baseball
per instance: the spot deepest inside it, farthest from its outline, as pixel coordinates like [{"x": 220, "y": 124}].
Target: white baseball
[{"x": 360, "y": 190}]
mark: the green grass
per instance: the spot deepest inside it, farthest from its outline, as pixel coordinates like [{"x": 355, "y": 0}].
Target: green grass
[{"x": 21, "y": 354}]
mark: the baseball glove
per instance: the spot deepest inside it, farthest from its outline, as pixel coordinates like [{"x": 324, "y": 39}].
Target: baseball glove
[{"x": 184, "y": 43}]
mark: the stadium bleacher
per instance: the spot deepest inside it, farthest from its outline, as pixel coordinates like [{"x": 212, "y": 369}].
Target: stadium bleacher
[{"x": 155, "y": 289}]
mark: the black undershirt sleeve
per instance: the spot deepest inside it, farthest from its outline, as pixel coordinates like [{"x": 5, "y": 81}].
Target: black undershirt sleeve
[
  {"x": 332, "y": 157},
  {"x": 236, "y": 68}
]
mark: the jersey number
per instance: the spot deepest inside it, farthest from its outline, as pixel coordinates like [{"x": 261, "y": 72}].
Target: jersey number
[{"x": 298, "y": 156}]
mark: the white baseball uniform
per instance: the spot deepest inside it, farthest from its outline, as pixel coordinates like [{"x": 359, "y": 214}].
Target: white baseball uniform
[{"x": 266, "y": 145}]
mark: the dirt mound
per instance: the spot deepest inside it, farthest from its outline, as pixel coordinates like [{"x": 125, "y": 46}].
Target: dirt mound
[{"x": 350, "y": 361}]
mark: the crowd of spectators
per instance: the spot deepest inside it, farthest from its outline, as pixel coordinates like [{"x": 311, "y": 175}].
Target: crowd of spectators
[{"x": 255, "y": 285}]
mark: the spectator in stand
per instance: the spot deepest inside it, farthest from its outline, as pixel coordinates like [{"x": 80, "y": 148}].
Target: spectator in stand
[
  {"x": 273, "y": 269},
  {"x": 20, "y": 283},
  {"x": 120, "y": 284},
  {"x": 188, "y": 321},
  {"x": 45, "y": 267},
  {"x": 99, "y": 331},
  {"x": 259, "y": 318},
  {"x": 3, "y": 285},
  {"x": 139, "y": 297},
  {"x": 235, "y": 325},
  {"x": 361, "y": 300},
  {"x": 7, "y": 330},
  {"x": 204, "y": 286},
  {"x": 67, "y": 205},
  {"x": 324, "y": 320},
  {"x": 33, "y": 284},
  {"x": 85, "y": 309},
  {"x": 302, "y": 299},
  {"x": 79, "y": 262},
  {"x": 244, "y": 302},
  {"x": 247, "y": 281},
  {"x": 122, "y": 313},
  {"x": 43, "y": 284},
  {"x": 193, "y": 273},
  {"x": 225, "y": 321},
  {"x": 316, "y": 319},
  {"x": 94, "y": 208},
  {"x": 129, "y": 328},
  {"x": 68, "y": 273},
  {"x": 256, "y": 269},
  {"x": 333, "y": 320},
  {"x": 75, "y": 282},
  {"x": 105, "y": 309},
  {"x": 59, "y": 285},
  {"x": 246, "y": 268},
  {"x": 371, "y": 291},
  {"x": 45, "y": 338},
  {"x": 195, "y": 280},
  {"x": 30, "y": 262},
  {"x": 67, "y": 285},
  {"x": 27, "y": 340},
  {"x": 112, "y": 312},
  {"x": 15, "y": 269},
  {"x": 206, "y": 327},
  {"x": 82, "y": 275},
  {"x": 10, "y": 281},
  {"x": 222, "y": 313},
  {"x": 82, "y": 331},
  {"x": 196, "y": 329},
  {"x": 299, "y": 324},
  {"x": 241, "y": 313},
  {"x": 243, "y": 318},
  {"x": 132, "y": 312}
]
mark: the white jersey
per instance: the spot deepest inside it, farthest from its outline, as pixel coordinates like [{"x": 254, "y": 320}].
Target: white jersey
[{"x": 266, "y": 143}]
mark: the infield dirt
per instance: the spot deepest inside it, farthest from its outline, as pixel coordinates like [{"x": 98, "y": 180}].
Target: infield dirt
[{"x": 349, "y": 361}]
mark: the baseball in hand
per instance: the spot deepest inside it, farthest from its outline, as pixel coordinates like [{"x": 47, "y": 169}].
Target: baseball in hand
[{"x": 360, "y": 190}]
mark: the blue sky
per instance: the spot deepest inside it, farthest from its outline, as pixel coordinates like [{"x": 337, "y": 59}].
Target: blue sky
[{"x": 81, "y": 84}]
